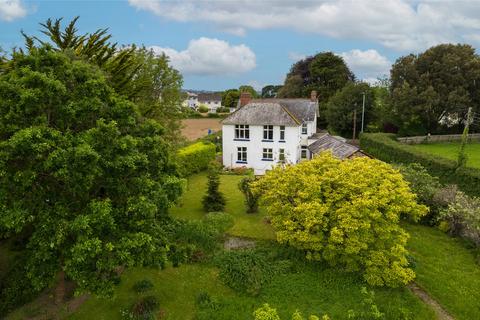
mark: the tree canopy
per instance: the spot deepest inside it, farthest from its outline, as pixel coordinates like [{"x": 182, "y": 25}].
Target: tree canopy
[
  {"x": 270, "y": 91},
  {"x": 230, "y": 98},
  {"x": 85, "y": 179},
  {"x": 431, "y": 92},
  {"x": 340, "y": 108},
  {"x": 348, "y": 217}
]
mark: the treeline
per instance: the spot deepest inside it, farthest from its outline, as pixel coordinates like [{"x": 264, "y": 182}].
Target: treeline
[{"x": 425, "y": 93}]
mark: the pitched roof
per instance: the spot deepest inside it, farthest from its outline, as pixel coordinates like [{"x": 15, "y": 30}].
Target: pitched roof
[
  {"x": 339, "y": 148},
  {"x": 209, "y": 97},
  {"x": 283, "y": 112}
]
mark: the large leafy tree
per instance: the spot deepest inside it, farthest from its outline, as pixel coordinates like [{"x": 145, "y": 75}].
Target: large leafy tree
[
  {"x": 230, "y": 98},
  {"x": 431, "y": 91},
  {"x": 270, "y": 91},
  {"x": 84, "y": 178},
  {"x": 348, "y": 217},
  {"x": 325, "y": 72},
  {"x": 136, "y": 73},
  {"x": 340, "y": 108}
]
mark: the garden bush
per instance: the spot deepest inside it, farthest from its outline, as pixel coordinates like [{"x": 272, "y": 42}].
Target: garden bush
[
  {"x": 144, "y": 309},
  {"x": 195, "y": 158},
  {"x": 349, "y": 217},
  {"x": 247, "y": 271},
  {"x": 251, "y": 199},
  {"x": 223, "y": 110},
  {"x": 463, "y": 217},
  {"x": 384, "y": 146},
  {"x": 213, "y": 200},
  {"x": 202, "y": 109},
  {"x": 143, "y": 286},
  {"x": 213, "y": 115}
]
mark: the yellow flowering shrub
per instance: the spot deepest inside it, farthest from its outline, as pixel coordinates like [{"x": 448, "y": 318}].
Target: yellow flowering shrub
[{"x": 344, "y": 212}]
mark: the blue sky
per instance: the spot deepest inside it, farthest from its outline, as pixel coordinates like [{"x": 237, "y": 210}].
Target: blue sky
[{"x": 223, "y": 44}]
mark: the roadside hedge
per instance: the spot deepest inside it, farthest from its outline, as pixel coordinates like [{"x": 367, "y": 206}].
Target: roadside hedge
[
  {"x": 385, "y": 147},
  {"x": 195, "y": 157}
]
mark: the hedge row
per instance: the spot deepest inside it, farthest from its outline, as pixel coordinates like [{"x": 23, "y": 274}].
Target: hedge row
[
  {"x": 385, "y": 147},
  {"x": 195, "y": 157}
]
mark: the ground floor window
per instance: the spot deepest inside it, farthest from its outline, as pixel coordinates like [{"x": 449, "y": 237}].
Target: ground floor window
[
  {"x": 267, "y": 154},
  {"x": 242, "y": 154},
  {"x": 303, "y": 154},
  {"x": 281, "y": 155}
]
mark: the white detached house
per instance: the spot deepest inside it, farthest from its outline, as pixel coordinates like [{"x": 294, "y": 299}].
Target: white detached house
[{"x": 265, "y": 132}]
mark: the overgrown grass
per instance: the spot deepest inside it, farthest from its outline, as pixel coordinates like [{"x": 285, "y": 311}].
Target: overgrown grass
[
  {"x": 246, "y": 224},
  {"x": 450, "y": 150},
  {"x": 447, "y": 269}
]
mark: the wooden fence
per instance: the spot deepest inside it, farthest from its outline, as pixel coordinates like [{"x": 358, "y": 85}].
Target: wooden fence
[{"x": 438, "y": 138}]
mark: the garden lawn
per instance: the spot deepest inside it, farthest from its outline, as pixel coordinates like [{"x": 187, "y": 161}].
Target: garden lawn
[
  {"x": 447, "y": 270},
  {"x": 450, "y": 150},
  {"x": 246, "y": 224},
  {"x": 310, "y": 291}
]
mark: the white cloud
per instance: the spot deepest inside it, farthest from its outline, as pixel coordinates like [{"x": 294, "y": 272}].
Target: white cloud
[
  {"x": 11, "y": 10},
  {"x": 398, "y": 24},
  {"x": 205, "y": 56},
  {"x": 368, "y": 64}
]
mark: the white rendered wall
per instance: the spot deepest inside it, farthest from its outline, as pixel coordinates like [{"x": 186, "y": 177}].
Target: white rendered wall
[{"x": 255, "y": 147}]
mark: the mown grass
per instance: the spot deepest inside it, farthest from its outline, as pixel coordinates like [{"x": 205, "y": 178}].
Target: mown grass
[
  {"x": 246, "y": 225},
  {"x": 447, "y": 270},
  {"x": 450, "y": 150}
]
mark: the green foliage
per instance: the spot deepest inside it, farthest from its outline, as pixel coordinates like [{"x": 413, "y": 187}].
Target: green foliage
[
  {"x": 438, "y": 84},
  {"x": 251, "y": 199},
  {"x": 340, "y": 107},
  {"x": 223, "y": 110},
  {"x": 266, "y": 313},
  {"x": 195, "y": 158},
  {"x": 249, "y": 89},
  {"x": 247, "y": 271},
  {"x": 202, "y": 109},
  {"x": 348, "y": 217},
  {"x": 15, "y": 287},
  {"x": 144, "y": 309},
  {"x": 83, "y": 175},
  {"x": 386, "y": 148},
  {"x": 463, "y": 216},
  {"x": 213, "y": 200},
  {"x": 194, "y": 240},
  {"x": 143, "y": 286},
  {"x": 230, "y": 98},
  {"x": 270, "y": 91},
  {"x": 213, "y": 115},
  {"x": 424, "y": 185},
  {"x": 325, "y": 72}
]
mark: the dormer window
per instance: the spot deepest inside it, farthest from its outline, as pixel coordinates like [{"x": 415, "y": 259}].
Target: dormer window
[{"x": 304, "y": 128}]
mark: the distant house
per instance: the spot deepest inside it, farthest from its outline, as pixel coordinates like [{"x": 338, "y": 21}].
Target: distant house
[
  {"x": 192, "y": 100},
  {"x": 211, "y": 100},
  {"x": 263, "y": 133}
]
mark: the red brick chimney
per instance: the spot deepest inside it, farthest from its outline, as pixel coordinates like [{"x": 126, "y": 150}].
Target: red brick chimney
[
  {"x": 313, "y": 96},
  {"x": 245, "y": 98}
]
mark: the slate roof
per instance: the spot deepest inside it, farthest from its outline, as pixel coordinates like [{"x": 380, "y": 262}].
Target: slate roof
[
  {"x": 204, "y": 97},
  {"x": 340, "y": 149},
  {"x": 280, "y": 112}
]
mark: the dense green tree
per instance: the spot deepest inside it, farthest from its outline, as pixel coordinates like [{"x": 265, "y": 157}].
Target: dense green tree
[
  {"x": 249, "y": 89},
  {"x": 157, "y": 91},
  {"x": 431, "y": 91},
  {"x": 270, "y": 91},
  {"x": 349, "y": 217},
  {"x": 325, "y": 72},
  {"x": 230, "y": 98},
  {"x": 213, "y": 200},
  {"x": 84, "y": 178},
  {"x": 340, "y": 108},
  {"x": 136, "y": 73}
]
